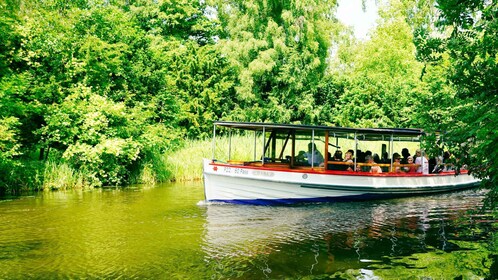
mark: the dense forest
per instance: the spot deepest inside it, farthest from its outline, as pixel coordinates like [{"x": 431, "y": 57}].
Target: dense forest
[{"x": 105, "y": 88}]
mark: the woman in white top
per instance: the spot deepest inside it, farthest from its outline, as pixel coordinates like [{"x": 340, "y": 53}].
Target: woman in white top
[{"x": 423, "y": 161}]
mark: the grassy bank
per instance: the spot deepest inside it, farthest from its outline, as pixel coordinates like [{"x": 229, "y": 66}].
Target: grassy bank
[
  {"x": 186, "y": 163},
  {"x": 182, "y": 164}
]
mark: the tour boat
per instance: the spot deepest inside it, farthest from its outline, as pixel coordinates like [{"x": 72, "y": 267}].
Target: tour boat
[{"x": 288, "y": 163}]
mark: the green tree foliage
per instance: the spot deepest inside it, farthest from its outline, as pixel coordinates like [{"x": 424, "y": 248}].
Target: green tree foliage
[
  {"x": 110, "y": 86},
  {"x": 472, "y": 46},
  {"x": 279, "y": 50},
  {"x": 9, "y": 37},
  {"x": 380, "y": 76},
  {"x": 107, "y": 86},
  {"x": 8, "y": 142}
]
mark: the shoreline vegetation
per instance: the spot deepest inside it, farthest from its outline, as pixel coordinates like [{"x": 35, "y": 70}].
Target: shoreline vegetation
[{"x": 182, "y": 164}]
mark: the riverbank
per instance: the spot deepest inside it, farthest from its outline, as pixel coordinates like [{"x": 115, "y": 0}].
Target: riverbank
[{"x": 181, "y": 164}]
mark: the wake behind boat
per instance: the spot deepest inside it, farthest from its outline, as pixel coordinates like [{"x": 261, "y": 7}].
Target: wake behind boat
[{"x": 293, "y": 163}]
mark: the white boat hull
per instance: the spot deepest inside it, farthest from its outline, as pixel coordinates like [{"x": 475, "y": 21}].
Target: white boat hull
[{"x": 244, "y": 184}]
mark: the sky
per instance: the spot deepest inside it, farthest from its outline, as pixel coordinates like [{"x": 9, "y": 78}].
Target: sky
[{"x": 350, "y": 13}]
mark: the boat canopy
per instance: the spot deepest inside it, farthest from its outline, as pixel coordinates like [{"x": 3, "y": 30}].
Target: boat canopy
[{"x": 371, "y": 134}]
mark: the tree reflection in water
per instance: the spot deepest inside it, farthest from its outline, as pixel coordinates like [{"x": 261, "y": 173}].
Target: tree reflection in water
[{"x": 386, "y": 238}]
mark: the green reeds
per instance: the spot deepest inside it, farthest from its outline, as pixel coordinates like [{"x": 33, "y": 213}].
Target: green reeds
[
  {"x": 60, "y": 176},
  {"x": 185, "y": 164}
]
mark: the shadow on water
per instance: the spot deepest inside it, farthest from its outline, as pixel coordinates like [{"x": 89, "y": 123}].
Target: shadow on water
[{"x": 385, "y": 239}]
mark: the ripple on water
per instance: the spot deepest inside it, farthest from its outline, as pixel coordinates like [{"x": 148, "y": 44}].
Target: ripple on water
[
  {"x": 159, "y": 233},
  {"x": 242, "y": 229}
]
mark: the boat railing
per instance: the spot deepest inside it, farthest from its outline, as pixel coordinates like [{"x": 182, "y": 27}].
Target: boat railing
[
  {"x": 331, "y": 166},
  {"x": 236, "y": 162},
  {"x": 345, "y": 165},
  {"x": 260, "y": 164}
]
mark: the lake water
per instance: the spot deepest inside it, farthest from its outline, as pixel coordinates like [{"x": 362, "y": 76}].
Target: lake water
[{"x": 167, "y": 232}]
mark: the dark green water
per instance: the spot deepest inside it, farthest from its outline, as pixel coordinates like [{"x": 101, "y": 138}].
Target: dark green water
[{"x": 166, "y": 232}]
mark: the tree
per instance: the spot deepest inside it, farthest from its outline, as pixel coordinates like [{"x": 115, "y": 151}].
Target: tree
[
  {"x": 380, "y": 75},
  {"x": 468, "y": 36},
  {"x": 109, "y": 86},
  {"x": 279, "y": 50}
]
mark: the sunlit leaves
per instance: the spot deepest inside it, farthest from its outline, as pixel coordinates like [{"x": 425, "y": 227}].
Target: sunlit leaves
[
  {"x": 381, "y": 76},
  {"x": 9, "y": 147},
  {"x": 279, "y": 49},
  {"x": 471, "y": 48}
]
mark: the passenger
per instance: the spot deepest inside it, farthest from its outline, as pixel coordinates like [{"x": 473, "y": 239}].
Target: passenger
[
  {"x": 377, "y": 159},
  {"x": 405, "y": 153},
  {"x": 439, "y": 166},
  {"x": 423, "y": 162},
  {"x": 368, "y": 153},
  {"x": 360, "y": 156},
  {"x": 348, "y": 157},
  {"x": 447, "y": 160},
  {"x": 418, "y": 153},
  {"x": 314, "y": 156},
  {"x": 385, "y": 158},
  {"x": 352, "y": 152},
  {"x": 412, "y": 168},
  {"x": 331, "y": 166},
  {"x": 396, "y": 163},
  {"x": 374, "y": 168},
  {"x": 337, "y": 156},
  {"x": 301, "y": 157},
  {"x": 433, "y": 162}
]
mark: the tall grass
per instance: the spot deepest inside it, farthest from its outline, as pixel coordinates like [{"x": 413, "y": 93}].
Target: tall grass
[
  {"x": 60, "y": 176},
  {"x": 21, "y": 176},
  {"x": 185, "y": 164}
]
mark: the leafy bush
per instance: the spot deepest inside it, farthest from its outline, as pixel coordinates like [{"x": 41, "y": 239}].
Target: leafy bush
[{"x": 107, "y": 163}]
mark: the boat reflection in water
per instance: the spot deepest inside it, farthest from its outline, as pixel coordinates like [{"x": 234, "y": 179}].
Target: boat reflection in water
[{"x": 329, "y": 237}]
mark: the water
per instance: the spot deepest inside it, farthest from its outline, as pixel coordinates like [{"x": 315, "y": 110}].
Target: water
[{"x": 167, "y": 232}]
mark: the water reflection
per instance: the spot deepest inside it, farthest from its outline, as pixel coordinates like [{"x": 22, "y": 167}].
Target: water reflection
[
  {"x": 131, "y": 233},
  {"x": 163, "y": 233},
  {"x": 338, "y": 236}
]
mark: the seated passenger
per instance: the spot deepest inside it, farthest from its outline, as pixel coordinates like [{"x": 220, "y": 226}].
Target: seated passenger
[
  {"x": 405, "y": 153},
  {"x": 301, "y": 157},
  {"x": 423, "y": 162},
  {"x": 376, "y": 158},
  {"x": 348, "y": 157},
  {"x": 438, "y": 166},
  {"x": 373, "y": 168},
  {"x": 314, "y": 156},
  {"x": 396, "y": 163},
  {"x": 337, "y": 157},
  {"x": 352, "y": 152},
  {"x": 412, "y": 168}
]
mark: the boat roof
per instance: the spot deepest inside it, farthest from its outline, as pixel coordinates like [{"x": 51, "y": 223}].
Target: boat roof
[{"x": 269, "y": 127}]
